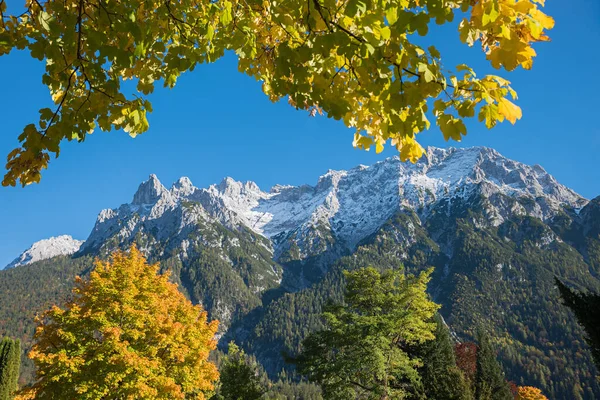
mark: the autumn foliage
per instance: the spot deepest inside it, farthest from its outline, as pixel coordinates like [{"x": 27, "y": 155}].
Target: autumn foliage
[
  {"x": 466, "y": 358},
  {"x": 355, "y": 61},
  {"x": 529, "y": 393},
  {"x": 127, "y": 333}
]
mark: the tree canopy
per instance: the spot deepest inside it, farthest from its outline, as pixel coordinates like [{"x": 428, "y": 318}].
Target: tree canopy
[
  {"x": 127, "y": 333},
  {"x": 240, "y": 378},
  {"x": 354, "y": 60},
  {"x": 442, "y": 378},
  {"x": 10, "y": 362},
  {"x": 366, "y": 350},
  {"x": 529, "y": 393},
  {"x": 490, "y": 383},
  {"x": 586, "y": 307}
]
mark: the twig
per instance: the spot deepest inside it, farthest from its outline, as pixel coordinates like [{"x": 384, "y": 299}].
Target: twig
[
  {"x": 62, "y": 101},
  {"x": 318, "y": 8},
  {"x": 360, "y": 39}
]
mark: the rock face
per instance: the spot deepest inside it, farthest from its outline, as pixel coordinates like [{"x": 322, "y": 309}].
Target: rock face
[
  {"x": 343, "y": 207},
  {"x": 149, "y": 192},
  {"x": 47, "y": 248}
]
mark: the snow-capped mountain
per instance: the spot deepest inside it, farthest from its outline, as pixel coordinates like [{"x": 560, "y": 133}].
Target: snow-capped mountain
[
  {"x": 344, "y": 206},
  {"x": 263, "y": 262},
  {"x": 339, "y": 211},
  {"x": 55, "y": 246}
]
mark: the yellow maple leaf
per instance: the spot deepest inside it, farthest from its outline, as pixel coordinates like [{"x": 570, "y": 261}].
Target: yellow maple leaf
[
  {"x": 411, "y": 150},
  {"x": 546, "y": 21},
  {"x": 509, "y": 110}
]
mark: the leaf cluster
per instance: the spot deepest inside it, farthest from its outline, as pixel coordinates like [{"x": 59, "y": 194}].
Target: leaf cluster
[{"x": 354, "y": 60}]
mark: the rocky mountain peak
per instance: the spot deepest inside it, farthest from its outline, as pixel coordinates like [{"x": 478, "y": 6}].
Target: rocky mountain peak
[
  {"x": 47, "y": 248},
  {"x": 330, "y": 179},
  {"x": 149, "y": 191},
  {"x": 183, "y": 187},
  {"x": 231, "y": 187},
  {"x": 589, "y": 217},
  {"x": 343, "y": 206}
]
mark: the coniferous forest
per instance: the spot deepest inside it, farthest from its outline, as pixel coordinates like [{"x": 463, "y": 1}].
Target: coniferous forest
[{"x": 491, "y": 331}]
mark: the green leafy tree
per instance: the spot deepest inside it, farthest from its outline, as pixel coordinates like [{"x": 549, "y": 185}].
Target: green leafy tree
[
  {"x": 490, "y": 383},
  {"x": 442, "y": 379},
  {"x": 10, "y": 361},
  {"x": 240, "y": 377},
  {"x": 586, "y": 307},
  {"x": 366, "y": 350},
  {"x": 356, "y": 61}
]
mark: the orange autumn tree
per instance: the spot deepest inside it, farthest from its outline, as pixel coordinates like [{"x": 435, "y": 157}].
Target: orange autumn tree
[
  {"x": 529, "y": 393},
  {"x": 128, "y": 333}
]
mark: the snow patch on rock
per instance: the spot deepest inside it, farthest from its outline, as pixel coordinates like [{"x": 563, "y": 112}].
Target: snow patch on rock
[{"x": 55, "y": 246}]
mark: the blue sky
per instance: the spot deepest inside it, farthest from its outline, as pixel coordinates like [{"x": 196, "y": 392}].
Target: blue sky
[{"x": 217, "y": 123}]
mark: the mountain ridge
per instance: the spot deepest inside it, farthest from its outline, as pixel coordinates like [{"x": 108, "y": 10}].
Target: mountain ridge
[{"x": 341, "y": 200}]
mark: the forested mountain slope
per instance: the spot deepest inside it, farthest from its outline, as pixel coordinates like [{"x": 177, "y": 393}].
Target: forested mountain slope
[{"x": 263, "y": 263}]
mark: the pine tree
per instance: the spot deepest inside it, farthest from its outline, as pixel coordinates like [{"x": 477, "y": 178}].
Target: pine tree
[
  {"x": 586, "y": 307},
  {"x": 10, "y": 362},
  {"x": 441, "y": 377},
  {"x": 240, "y": 378},
  {"x": 489, "y": 377}
]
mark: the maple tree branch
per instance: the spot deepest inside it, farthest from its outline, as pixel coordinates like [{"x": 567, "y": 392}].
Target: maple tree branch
[
  {"x": 179, "y": 21},
  {"x": 168, "y": 5},
  {"x": 108, "y": 14},
  {"x": 87, "y": 99},
  {"x": 337, "y": 72},
  {"x": 62, "y": 101},
  {"x": 438, "y": 82},
  {"x": 360, "y": 39},
  {"x": 361, "y": 386},
  {"x": 308, "y": 15},
  {"x": 79, "y": 19},
  {"x": 320, "y": 11},
  {"x": 38, "y": 4},
  {"x": 401, "y": 80},
  {"x": 2, "y": 15},
  {"x": 409, "y": 71},
  {"x": 354, "y": 73}
]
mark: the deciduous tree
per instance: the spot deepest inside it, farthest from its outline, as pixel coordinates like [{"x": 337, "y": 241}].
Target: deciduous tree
[
  {"x": 529, "y": 393},
  {"x": 466, "y": 359},
  {"x": 354, "y": 60},
  {"x": 127, "y": 333},
  {"x": 367, "y": 350}
]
